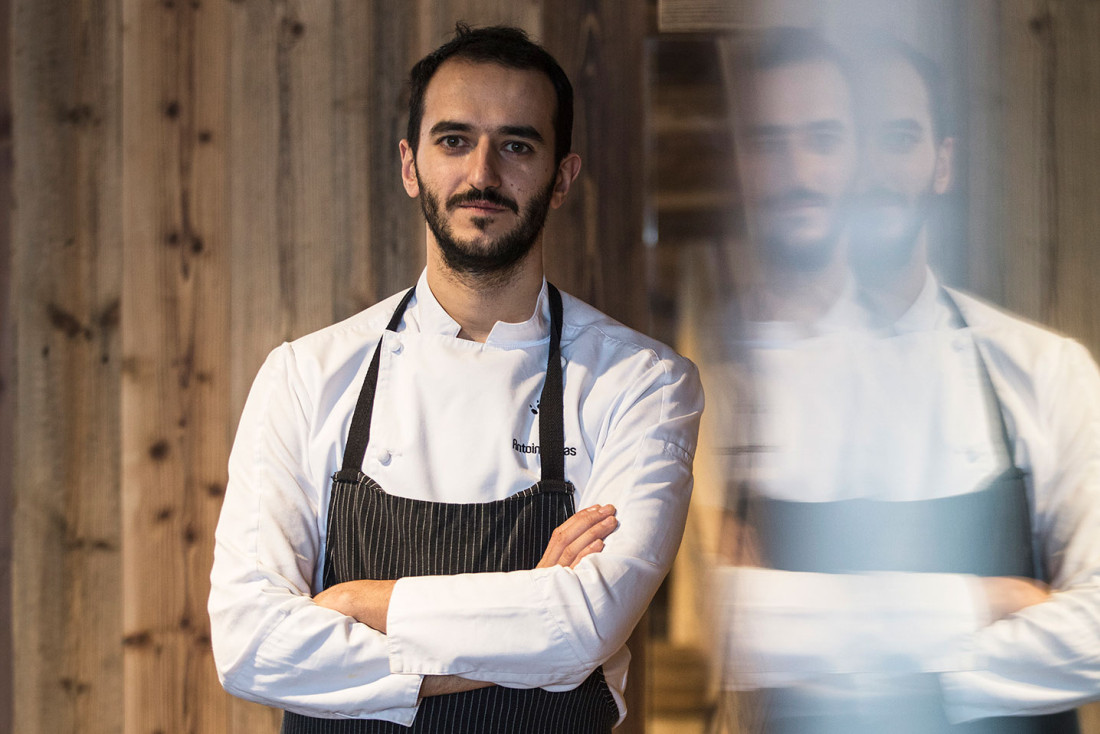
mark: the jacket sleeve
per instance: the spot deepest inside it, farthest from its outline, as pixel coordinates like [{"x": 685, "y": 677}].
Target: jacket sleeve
[
  {"x": 1046, "y": 658},
  {"x": 551, "y": 627},
  {"x": 271, "y": 643}
]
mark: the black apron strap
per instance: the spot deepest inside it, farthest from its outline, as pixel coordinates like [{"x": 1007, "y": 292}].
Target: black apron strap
[
  {"x": 359, "y": 433},
  {"x": 551, "y": 411}
]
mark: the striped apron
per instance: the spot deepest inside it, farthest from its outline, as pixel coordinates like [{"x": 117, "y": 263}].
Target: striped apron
[{"x": 374, "y": 535}]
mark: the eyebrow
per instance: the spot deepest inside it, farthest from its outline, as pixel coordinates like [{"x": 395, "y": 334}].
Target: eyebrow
[
  {"x": 522, "y": 131},
  {"x": 826, "y": 126},
  {"x": 816, "y": 125},
  {"x": 767, "y": 130},
  {"x": 449, "y": 126},
  {"x": 519, "y": 131}
]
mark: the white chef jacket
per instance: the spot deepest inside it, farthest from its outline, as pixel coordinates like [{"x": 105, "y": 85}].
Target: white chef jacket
[
  {"x": 454, "y": 421},
  {"x": 830, "y": 425}
]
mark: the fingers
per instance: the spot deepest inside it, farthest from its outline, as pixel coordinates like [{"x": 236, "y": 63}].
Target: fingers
[
  {"x": 577, "y": 536},
  {"x": 594, "y": 547},
  {"x": 1009, "y": 594}
]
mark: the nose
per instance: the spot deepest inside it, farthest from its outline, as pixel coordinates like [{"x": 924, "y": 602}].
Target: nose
[
  {"x": 802, "y": 166},
  {"x": 872, "y": 166},
  {"x": 482, "y": 172}
]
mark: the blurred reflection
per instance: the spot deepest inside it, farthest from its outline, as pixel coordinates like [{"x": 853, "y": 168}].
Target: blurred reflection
[{"x": 910, "y": 472}]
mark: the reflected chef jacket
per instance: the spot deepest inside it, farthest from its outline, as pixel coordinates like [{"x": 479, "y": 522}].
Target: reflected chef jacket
[
  {"x": 454, "y": 421},
  {"x": 848, "y": 635}
]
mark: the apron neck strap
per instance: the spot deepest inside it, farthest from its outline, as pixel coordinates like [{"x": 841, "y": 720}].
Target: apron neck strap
[
  {"x": 359, "y": 433},
  {"x": 551, "y": 421},
  {"x": 1006, "y": 438},
  {"x": 551, "y": 417}
]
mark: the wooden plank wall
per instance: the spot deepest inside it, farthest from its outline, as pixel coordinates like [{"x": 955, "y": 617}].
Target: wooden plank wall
[
  {"x": 65, "y": 290},
  {"x": 195, "y": 182},
  {"x": 1034, "y": 150}
]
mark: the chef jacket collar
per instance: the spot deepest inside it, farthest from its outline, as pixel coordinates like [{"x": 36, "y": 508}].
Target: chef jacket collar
[
  {"x": 931, "y": 310},
  {"x": 432, "y": 318},
  {"x": 846, "y": 314}
]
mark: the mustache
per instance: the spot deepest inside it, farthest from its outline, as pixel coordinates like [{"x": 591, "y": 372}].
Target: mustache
[
  {"x": 492, "y": 196},
  {"x": 797, "y": 197}
]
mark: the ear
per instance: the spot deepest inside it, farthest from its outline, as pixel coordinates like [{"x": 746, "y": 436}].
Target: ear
[
  {"x": 408, "y": 169},
  {"x": 943, "y": 175},
  {"x": 568, "y": 169}
]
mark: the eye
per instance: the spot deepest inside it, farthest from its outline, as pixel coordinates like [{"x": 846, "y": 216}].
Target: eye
[
  {"x": 451, "y": 142},
  {"x": 900, "y": 141},
  {"x": 766, "y": 144},
  {"x": 516, "y": 147},
  {"x": 824, "y": 142}
]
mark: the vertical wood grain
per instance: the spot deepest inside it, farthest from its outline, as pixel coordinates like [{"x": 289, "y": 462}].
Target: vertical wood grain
[
  {"x": 7, "y": 372},
  {"x": 1009, "y": 158},
  {"x": 175, "y": 342},
  {"x": 66, "y": 291},
  {"x": 1074, "y": 140},
  {"x": 594, "y": 243}
]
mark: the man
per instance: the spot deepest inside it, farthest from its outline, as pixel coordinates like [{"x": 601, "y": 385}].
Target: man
[
  {"x": 463, "y": 421},
  {"x": 936, "y": 458}
]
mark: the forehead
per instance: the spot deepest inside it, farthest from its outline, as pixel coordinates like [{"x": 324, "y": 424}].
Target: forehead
[
  {"x": 794, "y": 95},
  {"x": 893, "y": 90},
  {"x": 488, "y": 95}
]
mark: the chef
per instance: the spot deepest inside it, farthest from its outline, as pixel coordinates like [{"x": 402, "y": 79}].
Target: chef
[{"x": 399, "y": 545}]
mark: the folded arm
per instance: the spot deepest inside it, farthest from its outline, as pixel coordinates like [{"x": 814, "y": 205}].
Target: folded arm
[
  {"x": 272, "y": 644},
  {"x": 550, "y": 627}
]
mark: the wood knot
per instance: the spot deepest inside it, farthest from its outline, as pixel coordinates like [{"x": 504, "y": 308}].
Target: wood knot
[
  {"x": 66, "y": 323},
  {"x": 1040, "y": 24},
  {"x": 159, "y": 450}
]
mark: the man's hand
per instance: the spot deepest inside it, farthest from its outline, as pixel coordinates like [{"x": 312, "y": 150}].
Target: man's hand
[
  {"x": 1008, "y": 594},
  {"x": 367, "y": 601},
  {"x": 439, "y": 685},
  {"x": 579, "y": 536}
]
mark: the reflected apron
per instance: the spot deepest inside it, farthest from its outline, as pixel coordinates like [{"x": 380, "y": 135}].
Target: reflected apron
[
  {"x": 985, "y": 533},
  {"x": 375, "y": 535}
]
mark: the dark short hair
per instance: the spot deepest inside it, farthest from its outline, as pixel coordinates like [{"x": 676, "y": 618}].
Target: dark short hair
[
  {"x": 772, "y": 48},
  {"x": 780, "y": 46},
  {"x": 505, "y": 45},
  {"x": 887, "y": 47}
]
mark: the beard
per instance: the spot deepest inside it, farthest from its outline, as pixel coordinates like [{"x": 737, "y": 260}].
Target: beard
[
  {"x": 878, "y": 244},
  {"x": 497, "y": 258},
  {"x": 785, "y": 249}
]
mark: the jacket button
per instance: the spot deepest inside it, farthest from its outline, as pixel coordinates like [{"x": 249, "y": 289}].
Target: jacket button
[
  {"x": 384, "y": 458},
  {"x": 396, "y": 347}
]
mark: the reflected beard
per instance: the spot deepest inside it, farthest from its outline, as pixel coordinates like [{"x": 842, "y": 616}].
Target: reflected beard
[
  {"x": 783, "y": 251},
  {"x": 872, "y": 251},
  {"x": 806, "y": 258},
  {"x": 498, "y": 258}
]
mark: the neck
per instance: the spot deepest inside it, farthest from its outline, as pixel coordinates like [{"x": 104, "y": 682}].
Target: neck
[
  {"x": 796, "y": 296},
  {"x": 890, "y": 292},
  {"x": 478, "y": 302}
]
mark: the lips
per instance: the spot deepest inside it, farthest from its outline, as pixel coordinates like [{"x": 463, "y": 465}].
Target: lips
[{"x": 483, "y": 207}]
